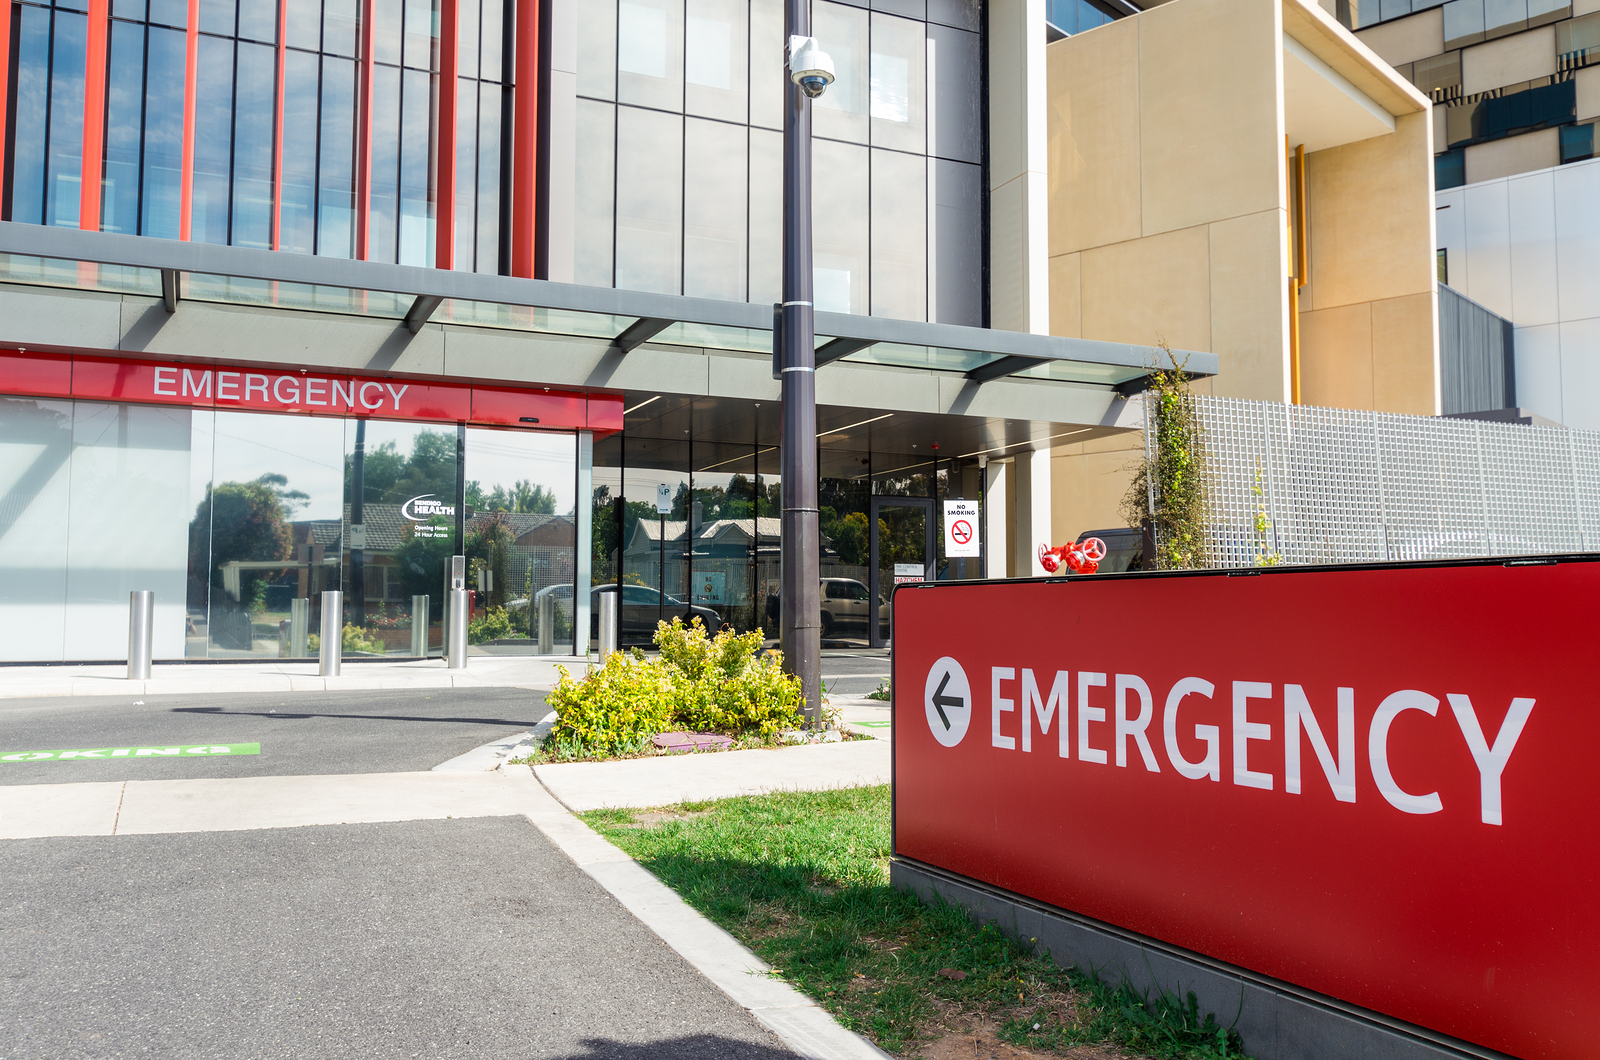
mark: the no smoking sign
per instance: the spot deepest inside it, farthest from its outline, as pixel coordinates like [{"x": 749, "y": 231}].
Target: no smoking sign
[{"x": 961, "y": 528}]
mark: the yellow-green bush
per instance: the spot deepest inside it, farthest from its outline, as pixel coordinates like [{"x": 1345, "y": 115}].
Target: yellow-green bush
[
  {"x": 706, "y": 684},
  {"x": 353, "y": 640}
]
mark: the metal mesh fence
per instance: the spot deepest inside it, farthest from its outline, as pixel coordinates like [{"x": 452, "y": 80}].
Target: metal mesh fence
[{"x": 1294, "y": 484}]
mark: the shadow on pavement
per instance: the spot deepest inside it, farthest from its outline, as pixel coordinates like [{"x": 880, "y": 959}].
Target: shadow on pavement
[
  {"x": 299, "y": 715},
  {"x": 692, "y": 1047}
]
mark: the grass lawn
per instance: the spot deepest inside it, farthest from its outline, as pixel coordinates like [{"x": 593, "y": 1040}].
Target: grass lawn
[{"x": 802, "y": 879}]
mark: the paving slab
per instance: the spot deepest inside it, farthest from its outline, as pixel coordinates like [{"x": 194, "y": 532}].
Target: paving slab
[{"x": 662, "y": 781}]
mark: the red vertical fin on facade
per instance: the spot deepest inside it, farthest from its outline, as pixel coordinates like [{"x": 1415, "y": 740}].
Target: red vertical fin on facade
[
  {"x": 94, "y": 115},
  {"x": 364, "y": 137},
  {"x": 445, "y": 184},
  {"x": 277, "y": 130},
  {"x": 525, "y": 141},
  {"x": 5, "y": 80},
  {"x": 191, "y": 61}
]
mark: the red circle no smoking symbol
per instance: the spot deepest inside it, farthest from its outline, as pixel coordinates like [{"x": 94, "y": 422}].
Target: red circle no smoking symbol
[{"x": 961, "y": 531}]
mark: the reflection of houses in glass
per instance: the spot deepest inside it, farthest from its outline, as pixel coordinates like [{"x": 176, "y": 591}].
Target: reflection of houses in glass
[
  {"x": 724, "y": 558},
  {"x": 541, "y": 550}
]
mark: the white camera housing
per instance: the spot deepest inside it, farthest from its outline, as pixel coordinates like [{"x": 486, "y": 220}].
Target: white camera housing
[{"x": 809, "y": 66}]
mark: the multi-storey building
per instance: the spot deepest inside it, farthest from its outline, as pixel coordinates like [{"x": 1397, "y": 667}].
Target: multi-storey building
[{"x": 300, "y": 295}]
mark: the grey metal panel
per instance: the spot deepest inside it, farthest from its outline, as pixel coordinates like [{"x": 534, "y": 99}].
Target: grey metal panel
[
  {"x": 955, "y": 243},
  {"x": 917, "y": 9},
  {"x": 962, "y": 14},
  {"x": 1010, "y": 399},
  {"x": 266, "y": 336},
  {"x": 77, "y": 245},
  {"x": 1477, "y": 364},
  {"x": 872, "y": 387},
  {"x": 1278, "y": 1020},
  {"x": 33, "y": 317},
  {"x": 955, "y": 94}
]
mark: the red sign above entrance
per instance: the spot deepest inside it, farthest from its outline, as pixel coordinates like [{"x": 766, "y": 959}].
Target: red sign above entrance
[
  {"x": 302, "y": 391},
  {"x": 1375, "y": 784}
]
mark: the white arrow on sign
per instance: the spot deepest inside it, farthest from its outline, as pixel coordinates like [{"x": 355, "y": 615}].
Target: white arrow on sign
[{"x": 948, "y": 700}]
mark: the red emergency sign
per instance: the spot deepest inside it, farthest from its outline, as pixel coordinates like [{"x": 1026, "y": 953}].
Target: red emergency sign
[{"x": 1378, "y": 784}]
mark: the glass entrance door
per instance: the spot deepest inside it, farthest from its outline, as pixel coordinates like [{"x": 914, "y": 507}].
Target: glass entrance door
[{"x": 902, "y": 554}]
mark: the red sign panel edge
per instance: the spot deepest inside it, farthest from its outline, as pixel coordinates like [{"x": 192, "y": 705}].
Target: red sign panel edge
[{"x": 1420, "y": 905}]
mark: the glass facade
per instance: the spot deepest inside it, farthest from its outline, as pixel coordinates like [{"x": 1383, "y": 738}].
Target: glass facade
[
  {"x": 277, "y": 124},
  {"x": 238, "y": 521},
  {"x": 696, "y": 87},
  {"x": 714, "y": 553}
]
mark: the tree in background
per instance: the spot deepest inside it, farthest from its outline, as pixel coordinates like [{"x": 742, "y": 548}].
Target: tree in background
[
  {"x": 244, "y": 521},
  {"x": 388, "y": 477},
  {"x": 523, "y": 498}
]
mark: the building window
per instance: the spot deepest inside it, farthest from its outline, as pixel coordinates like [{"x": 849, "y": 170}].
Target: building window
[
  {"x": 1577, "y": 142},
  {"x": 1449, "y": 170},
  {"x": 1442, "y": 258}
]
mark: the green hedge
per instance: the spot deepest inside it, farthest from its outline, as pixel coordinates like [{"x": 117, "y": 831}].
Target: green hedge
[{"x": 700, "y": 683}]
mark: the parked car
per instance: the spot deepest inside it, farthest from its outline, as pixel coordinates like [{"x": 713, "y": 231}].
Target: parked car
[
  {"x": 1124, "y": 548},
  {"x": 641, "y": 608},
  {"x": 846, "y": 604}
]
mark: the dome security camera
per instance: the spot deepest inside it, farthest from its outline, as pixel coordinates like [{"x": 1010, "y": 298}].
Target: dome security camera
[{"x": 809, "y": 66}]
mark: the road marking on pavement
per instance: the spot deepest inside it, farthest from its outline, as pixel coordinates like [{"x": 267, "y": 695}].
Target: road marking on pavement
[
  {"x": 873, "y": 724},
  {"x": 100, "y": 753}
]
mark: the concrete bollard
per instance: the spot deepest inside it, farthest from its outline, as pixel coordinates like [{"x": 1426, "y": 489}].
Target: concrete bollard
[
  {"x": 141, "y": 633},
  {"x": 330, "y": 655}
]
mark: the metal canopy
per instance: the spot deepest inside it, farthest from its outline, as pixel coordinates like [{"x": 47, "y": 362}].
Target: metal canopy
[{"x": 625, "y": 319}]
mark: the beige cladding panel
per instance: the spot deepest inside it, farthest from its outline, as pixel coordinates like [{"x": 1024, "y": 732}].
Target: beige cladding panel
[
  {"x": 1094, "y": 137},
  {"x": 1405, "y": 354},
  {"x": 1371, "y": 216},
  {"x": 1210, "y": 129},
  {"x": 1405, "y": 40},
  {"x": 1086, "y": 488},
  {"x": 1150, "y": 290},
  {"x": 1066, "y": 295},
  {"x": 1509, "y": 60},
  {"x": 1584, "y": 7},
  {"x": 1250, "y": 306},
  {"x": 1336, "y": 357},
  {"x": 1588, "y": 90},
  {"x": 1513, "y": 155}
]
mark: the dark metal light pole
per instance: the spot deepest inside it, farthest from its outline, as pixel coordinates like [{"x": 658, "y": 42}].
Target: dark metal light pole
[{"x": 800, "y": 623}]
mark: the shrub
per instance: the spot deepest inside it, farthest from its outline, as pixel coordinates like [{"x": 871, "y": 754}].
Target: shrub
[
  {"x": 354, "y": 640},
  {"x": 707, "y": 684},
  {"x": 614, "y": 708},
  {"x": 494, "y": 625}
]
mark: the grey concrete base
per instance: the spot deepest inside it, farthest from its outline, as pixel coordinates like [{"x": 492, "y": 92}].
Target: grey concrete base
[{"x": 1278, "y": 1021}]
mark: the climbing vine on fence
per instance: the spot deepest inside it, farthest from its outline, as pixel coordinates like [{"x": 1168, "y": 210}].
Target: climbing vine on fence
[{"x": 1170, "y": 487}]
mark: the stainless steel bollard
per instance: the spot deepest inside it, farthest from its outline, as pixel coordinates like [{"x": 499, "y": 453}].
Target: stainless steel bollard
[
  {"x": 299, "y": 627},
  {"x": 419, "y": 626},
  {"x": 608, "y": 624},
  {"x": 332, "y": 645},
  {"x": 141, "y": 633},
  {"x": 547, "y": 624},
  {"x": 455, "y": 637}
]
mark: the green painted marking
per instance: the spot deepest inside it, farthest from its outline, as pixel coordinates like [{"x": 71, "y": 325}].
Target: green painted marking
[
  {"x": 101, "y": 753},
  {"x": 873, "y": 724}
]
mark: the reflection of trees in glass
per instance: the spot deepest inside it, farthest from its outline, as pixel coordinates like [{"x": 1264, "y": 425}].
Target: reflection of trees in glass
[
  {"x": 847, "y": 534},
  {"x": 245, "y": 521},
  {"x": 390, "y": 477},
  {"x": 488, "y": 547},
  {"x": 523, "y": 498},
  {"x": 421, "y": 561}
]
